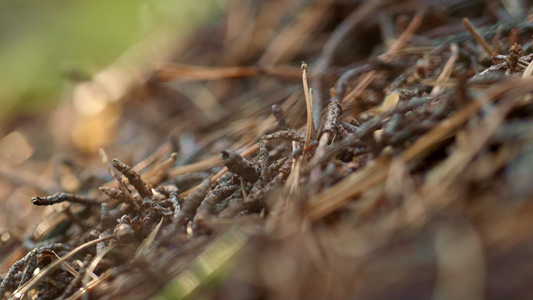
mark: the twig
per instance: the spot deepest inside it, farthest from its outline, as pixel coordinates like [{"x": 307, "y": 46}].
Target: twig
[
  {"x": 62, "y": 197},
  {"x": 133, "y": 177},
  {"x": 240, "y": 165},
  {"x": 263, "y": 159},
  {"x": 309, "y": 106},
  {"x": 335, "y": 40},
  {"x": 121, "y": 185},
  {"x": 114, "y": 193},
  {"x": 330, "y": 122},
  {"x": 479, "y": 39},
  {"x": 447, "y": 70},
  {"x": 354, "y": 184},
  {"x": 289, "y": 135},
  {"x": 215, "y": 196},
  {"x": 395, "y": 47},
  {"x": 76, "y": 282},
  {"x": 19, "y": 264},
  {"x": 191, "y": 204}
]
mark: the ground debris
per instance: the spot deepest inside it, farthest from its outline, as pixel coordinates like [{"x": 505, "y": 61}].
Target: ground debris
[{"x": 410, "y": 180}]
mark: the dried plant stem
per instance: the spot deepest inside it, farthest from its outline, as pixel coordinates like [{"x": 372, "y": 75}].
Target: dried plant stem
[
  {"x": 195, "y": 167},
  {"x": 290, "y": 40},
  {"x": 114, "y": 193},
  {"x": 20, "y": 264},
  {"x": 395, "y": 47},
  {"x": 156, "y": 156},
  {"x": 77, "y": 281},
  {"x": 19, "y": 293},
  {"x": 309, "y": 106},
  {"x": 475, "y": 34},
  {"x": 246, "y": 153},
  {"x": 216, "y": 195},
  {"x": 112, "y": 171},
  {"x": 154, "y": 176},
  {"x": 331, "y": 46},
  {"x": 447, "y": 70},
  {"x": 354, "y": 184}
]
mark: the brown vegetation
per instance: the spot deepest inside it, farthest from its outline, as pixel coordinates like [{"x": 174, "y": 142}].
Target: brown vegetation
[{"x": 395, "y": 163}]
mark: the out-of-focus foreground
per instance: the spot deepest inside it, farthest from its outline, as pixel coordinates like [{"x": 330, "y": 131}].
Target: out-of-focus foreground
[{"x": 395, "y": 163}]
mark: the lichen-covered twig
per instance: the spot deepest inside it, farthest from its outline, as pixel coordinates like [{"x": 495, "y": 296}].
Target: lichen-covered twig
[
  {"x": 289, "y": 135},
  {"x": 173, "y": 197},
  {"x": 30, "y": 268},
  {"x": 114, "y": 193},
  {"x": 113, "y": 172},
  {"x": 330, "y": 122},
  {"x": 62, "y": 197},
  {"x": 216, "y": 195},
  {"x": 275, "y": 166},
  {"x": 263, "y": 159},
  {"x": 240, "y": 165},
  {"x": 133, "y": 177},
  {"x": 20, "y": 264},
  {"x": 192, "y": 202}
]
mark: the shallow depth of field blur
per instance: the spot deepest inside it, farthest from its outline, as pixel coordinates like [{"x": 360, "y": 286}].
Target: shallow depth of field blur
[
  {"x": 47, "y": 46},
  {"x": 65, "y": 65},
  {"x": 383, "y": 148}
]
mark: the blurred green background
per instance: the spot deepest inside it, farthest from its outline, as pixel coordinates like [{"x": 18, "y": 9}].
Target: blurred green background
[{"x": 47, "y": 44}]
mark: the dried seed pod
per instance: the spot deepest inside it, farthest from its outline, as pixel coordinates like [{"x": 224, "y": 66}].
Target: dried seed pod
[
  {"x": 290, "y": 135},
  {"x": 240, "y": 165},
  {"x": 133, "y": 177},
  {"x": 62, "y": 197}
]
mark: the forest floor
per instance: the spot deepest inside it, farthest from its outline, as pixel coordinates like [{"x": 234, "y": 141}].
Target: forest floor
[{"x": 395, "y": 163}]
